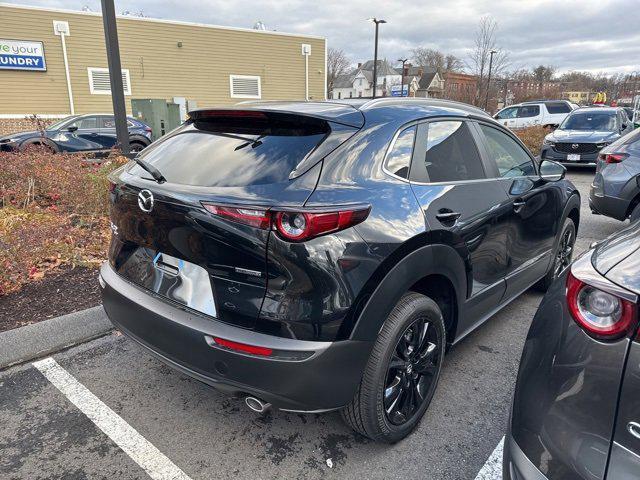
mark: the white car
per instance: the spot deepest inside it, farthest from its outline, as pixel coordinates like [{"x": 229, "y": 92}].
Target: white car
[{"x": 548, "y": 113}]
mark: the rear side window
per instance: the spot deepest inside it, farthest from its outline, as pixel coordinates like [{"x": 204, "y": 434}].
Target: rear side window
[
  {"x": 451, "y": 154},
  {"x": 399, "y": 157},
  {"x": 529, "y": 111},
  {"x": 510, "y": 158},
  {"x": 558, "y": 107},
  {"x": 235, "y": 151}
]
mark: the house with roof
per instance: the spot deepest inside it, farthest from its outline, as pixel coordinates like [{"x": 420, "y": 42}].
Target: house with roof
[
  {"x": 359, "y": 82},
  {"x": 431, "y": 85}
]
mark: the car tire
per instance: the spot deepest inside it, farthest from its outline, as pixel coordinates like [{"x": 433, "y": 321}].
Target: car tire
[
  {"x": 385, "y": 387},
  {"x": 635, "y": 214},
  {"x": 562, "y": 256},
  {"x": 135, "y": 147}
]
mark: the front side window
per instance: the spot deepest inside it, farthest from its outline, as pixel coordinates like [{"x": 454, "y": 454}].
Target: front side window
[
  {"x": 510, "y": 158},
  {"x": 451, "y": 153},
  {"x": 507, "y": 113},
  {"x": 399, "y": 157},
  {"x": 86, "y": 123},
  {"x": 529, "y": 111}
]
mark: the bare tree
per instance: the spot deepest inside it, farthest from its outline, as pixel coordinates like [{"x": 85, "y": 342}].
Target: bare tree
[
  {"x": 432, "y": 59},
  {"x": 485, "y": 43},
  {"x": 337, "y": 64}
]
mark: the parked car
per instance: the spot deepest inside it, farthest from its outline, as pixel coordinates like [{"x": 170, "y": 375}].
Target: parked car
[
  {"x": 529, "y": 114},
  {"x": 319, "y": 256},
  {"x": 586, "y": 131},
  {"x": 576, "y": 409},
  {"x": 615, "y": 190},
  {"x": 91, "y": 133}
]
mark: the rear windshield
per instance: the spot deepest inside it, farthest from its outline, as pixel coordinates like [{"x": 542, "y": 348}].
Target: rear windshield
[
  {"x": 605, "y": 121},
  {"x": 234, "y": 152}
]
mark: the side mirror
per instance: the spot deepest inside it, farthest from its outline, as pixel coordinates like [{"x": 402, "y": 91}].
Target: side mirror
[
  {"x": 72, "y": 128},
  {"x": 551, "y": 171}
]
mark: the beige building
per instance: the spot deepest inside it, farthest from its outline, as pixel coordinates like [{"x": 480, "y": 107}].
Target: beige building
[{"x": 196, "y": 64}]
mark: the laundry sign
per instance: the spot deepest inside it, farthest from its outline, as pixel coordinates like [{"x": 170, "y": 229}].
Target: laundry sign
[{"x": 22, "y": 55}]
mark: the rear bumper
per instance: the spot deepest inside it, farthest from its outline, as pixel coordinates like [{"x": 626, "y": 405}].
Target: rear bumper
[
  {"x": 610, "y": 206},
  {"x": 326, "y": 380},
  {"x": 516, "y": 465}
]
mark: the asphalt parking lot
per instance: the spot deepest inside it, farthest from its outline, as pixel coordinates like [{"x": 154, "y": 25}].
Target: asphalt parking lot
[{"x": 184, "y": 429}]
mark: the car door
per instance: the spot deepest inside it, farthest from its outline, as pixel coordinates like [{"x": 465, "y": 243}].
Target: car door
[
  {"x": 535, "y": 207},
  {"x": 528, "y": 116},
  {"x": 108, "y": 137},
  {"x": 464, "y": 208},
  {"x": 81, "y": 135},
  {"x": 508, "y": 117},
  {"x": 624, "y": 461}
]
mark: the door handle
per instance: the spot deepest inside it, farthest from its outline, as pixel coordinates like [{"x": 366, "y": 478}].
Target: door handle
[
  {"x": 446, "y": 216},
  {"x": 518, "y": 205},
  {"x": 634, "y": 429}
]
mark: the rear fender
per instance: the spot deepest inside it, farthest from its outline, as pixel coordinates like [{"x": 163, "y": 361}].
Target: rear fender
[{"x": 419, "y": 263}]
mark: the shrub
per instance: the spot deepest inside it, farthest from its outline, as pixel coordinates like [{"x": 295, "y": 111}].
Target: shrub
[
  {"x": 53, "y": 211},
  {"x": 532, "y": 137}
]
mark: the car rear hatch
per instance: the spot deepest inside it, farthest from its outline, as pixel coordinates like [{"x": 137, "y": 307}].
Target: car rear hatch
[
  {"x": 237, "y": 164},
  {"x": 618, "y": 258}
]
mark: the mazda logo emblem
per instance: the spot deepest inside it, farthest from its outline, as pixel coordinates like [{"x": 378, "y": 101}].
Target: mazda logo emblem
[
  {"x": 145, "y": 200},
  {"x": 574, "y": 146}
]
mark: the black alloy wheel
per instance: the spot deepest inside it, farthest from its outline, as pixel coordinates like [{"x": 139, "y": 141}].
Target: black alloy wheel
[{"x": 411, "y": 372}]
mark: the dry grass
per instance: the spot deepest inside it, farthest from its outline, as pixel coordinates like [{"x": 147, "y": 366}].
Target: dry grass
[
  {"x": 53, "y": 212},
  {"x": 532, "y": 137}
]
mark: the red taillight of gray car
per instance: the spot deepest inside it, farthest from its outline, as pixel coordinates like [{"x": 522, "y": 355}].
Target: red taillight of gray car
[
  {"x": 292, "y": 226},
  {"x": 613, "y": 157},
  {"x": 601, "y": 314}
]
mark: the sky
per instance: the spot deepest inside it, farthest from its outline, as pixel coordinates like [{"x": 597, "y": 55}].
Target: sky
[{"x": 586, "y": 35}]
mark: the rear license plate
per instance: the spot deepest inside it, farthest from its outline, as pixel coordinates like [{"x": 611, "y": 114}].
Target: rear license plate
[
  {"x": 181, "y": 281},
  {"x": 573, "y": 157}
]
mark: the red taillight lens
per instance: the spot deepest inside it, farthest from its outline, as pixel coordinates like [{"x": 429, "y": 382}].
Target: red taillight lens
[
  {"x": 292, "y": 226},
  {"x": 613, "y": 157},
  {"x": 601, "y": 314},
  {"x": 243, "y": 347},
  {"x": 300, "y": 226},
  {"x": 148, "y": 129},
  {"x": 249, "y": 216},
  {"x": 112, "y": 187}
]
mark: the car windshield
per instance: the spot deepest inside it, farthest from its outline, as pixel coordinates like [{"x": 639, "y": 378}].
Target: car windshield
[
  {"x": 603, "y": 121},
  {"x": 59, "y": 123}
]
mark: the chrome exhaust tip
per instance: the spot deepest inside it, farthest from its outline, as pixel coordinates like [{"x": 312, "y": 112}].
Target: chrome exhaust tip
[{"x": 257, "y": 405}]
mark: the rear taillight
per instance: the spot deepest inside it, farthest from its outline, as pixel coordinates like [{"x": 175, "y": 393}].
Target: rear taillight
[
  {"x": 112, "y": 187},
  {"x": 148, "y": 130},
  {"x": 293, "y": 226},
  {"x": 613, "y": 157},
  {"x": 248, "y": 216},
  {"x": 601, "y": 314}
]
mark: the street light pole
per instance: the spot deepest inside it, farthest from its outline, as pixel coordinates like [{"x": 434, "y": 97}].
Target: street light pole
[
  {"x": 403, "y": 60},
  {"x": 486, "y": 99},
  {"x": 375, "y": 55},
  {"x": 115, "y": 74}
]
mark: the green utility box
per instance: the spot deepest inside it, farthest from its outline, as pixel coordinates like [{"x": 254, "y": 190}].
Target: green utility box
[{"x": 160, "y": 115}]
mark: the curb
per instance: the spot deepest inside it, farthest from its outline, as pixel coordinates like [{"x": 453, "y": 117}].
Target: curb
[{"x": 39, "y": 339}]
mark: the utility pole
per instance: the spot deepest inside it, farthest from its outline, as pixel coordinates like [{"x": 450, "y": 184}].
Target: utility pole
[
  {"x": 115, "y": 74},
  {"x": 375, "y": 55},
  {"x": 486, "y": 99},
  {"x": 403, "y": 60}
]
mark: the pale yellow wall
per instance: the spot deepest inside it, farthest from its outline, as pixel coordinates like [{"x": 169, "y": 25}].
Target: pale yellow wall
[{"x": 199, "y": 70}]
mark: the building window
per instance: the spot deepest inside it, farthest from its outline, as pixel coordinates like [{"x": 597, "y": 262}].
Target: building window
[
  {"x": 350, "y": 94},
  {"x": 245, "y": 86},
  {"x": 100, "y": 83},
  {"x": 339, "y": 95}
]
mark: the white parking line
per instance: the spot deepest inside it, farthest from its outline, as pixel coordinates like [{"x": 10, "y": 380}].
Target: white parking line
[
  {"x": 492, "y": 468},
  {"x": 141, "y": 451}
]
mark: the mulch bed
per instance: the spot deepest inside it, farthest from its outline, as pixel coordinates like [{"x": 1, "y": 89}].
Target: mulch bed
[{"x": 65, "y": 291}]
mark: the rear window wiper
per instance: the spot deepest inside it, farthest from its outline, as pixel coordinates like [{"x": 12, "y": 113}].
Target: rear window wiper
[{"x": 155, "y": 173}]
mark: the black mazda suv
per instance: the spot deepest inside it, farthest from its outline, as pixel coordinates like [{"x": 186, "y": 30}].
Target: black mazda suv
[{"x": 316, "y": 256}]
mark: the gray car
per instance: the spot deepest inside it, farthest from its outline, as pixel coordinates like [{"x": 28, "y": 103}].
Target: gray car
[
  {"x": 580, "y": 137},
  {"x": 576, "y": 408},
  {"x": 615, "y": 191}
]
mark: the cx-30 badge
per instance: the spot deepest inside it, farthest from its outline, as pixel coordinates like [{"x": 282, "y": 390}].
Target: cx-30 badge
[{"x": 145, "y": 200}]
